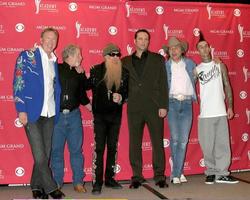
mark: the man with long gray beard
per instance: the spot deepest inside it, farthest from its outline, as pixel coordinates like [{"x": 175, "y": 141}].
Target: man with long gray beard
[{"x": 109, "y": 84}]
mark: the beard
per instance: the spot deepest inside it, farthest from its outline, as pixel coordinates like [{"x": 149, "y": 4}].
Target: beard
[{"x": 113, "y": 74}]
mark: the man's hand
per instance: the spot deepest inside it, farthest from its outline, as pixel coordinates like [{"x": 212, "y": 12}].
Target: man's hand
[
  {"x": 117, "y": 98},
  {"x": 23, "y": 118},
  {"x": 162, "y": 112},
  {"x": 230, "y": 113},
  {"x": 89, "y": 107},
  {"x": 79, "y": 70}
]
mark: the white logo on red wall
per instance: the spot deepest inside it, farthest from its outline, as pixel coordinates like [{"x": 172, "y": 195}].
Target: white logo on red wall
[
  {"x": 135, "y": 10},
  {"x": 113, "y": 30},
  {"x": 103, "y": 8},
  {"x": 1, "y": 76},
  {"x": 2, "y": 31},
  {"x": 1, "y": 125},
  {"x": 11, "y": 147},
  {"x": 245, "y": 73},
  {"x": 243, "y": 94},
  {"x": 240, "y": 53},
  {"x": 57, "y": 27},
  {"x": 193, "y": 141},
  {"x": 172, "y": 32},
  {"x": 237, "y": 12},
  {"x": 166, "y": 143},
  {"x": 89, "y": 31},
  {"x": 243, "y": 33},
  {"x": 159, "y": 10},
  {"x": 49, "y": 7},
  {"x": 117, "y": 169},
  {"x": 19, "y": 171},
  {"x": 87, "y": 123},
  {"x": 248, "y": 154},
  {"x": 170, "y": 161},
  {"x": 10, "y": 50},
  {"x": 129, "y": 49},
  {"x": 12, "y": 4},
  {"x": 146, "y": 146},
  {"x": 186, "y": 10},
  {"x": 221, "y": 32},
  {"x": 220, "y": 54},
  {"x": 248, "y": 115},
  {"x": 196, "y": 32},
  {"x": 215, "y": 12},
  {"x": 186, "y": 166},
  {"x": 245, "y": 137},
  {"x": 73, "y": 6},
  {"x": 1, "y": 174},
  {"x": 19, "y": 27},
  {"x": 17, "y": 123},
  {"x": 147, "y": 167},
  {"x": 6, "y": 98},
  {"x": 202, "y": 162},
  {"x": 95, "y": 51}
]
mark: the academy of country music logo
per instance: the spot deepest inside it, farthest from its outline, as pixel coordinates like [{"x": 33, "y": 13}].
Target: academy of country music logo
[
  {"x": 72, "y": 6},
  {"x": 135, "y": 10},
  {"x": 103, "y": 7},
  {"x": 248, "y": 115},
  {"x": 243, "y": 33},
  {"x": 12, "y": 4},
  {"x": 168, "y": 32},
  {"x": 49, "y": 7},
  {"x": 89, "y": 31},
  {"x": 212, "y": 12},
  {"x": 129, "y": 49},
  {"x": 246, "y": 73},
  {"x": 220, "y": 54},
  {"x": 2, "y": 29}
]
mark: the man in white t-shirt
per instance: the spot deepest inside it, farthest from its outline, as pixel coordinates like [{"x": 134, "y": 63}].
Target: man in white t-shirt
[{"x": 213, "y": 125}]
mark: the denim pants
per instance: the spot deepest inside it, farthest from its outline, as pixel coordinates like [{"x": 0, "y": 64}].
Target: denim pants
[
  {"x": 68, "y": 129},
  {"x": 180, "y": 121},
  {"x": 106, "y": 128},
  {"x": 39, "y": 135}
]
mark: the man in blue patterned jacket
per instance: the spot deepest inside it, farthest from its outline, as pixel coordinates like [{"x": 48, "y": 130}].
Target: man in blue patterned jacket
[{"x": 37, "y": 99}]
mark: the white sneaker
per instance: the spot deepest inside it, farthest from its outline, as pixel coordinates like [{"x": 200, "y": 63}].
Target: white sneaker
[
  {"x": 183, "y": 179},
  {"x": 176, "y": 180}
]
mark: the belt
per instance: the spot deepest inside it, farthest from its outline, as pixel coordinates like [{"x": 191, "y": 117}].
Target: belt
[
  {"x": 180, "y": 97},
  {"x": 66, "y": 111}
]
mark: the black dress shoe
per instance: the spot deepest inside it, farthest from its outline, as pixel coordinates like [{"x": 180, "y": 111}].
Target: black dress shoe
[
  {"x": 162, "y": 184},
  {"x": 44, "y": 195},
  {"x": 57, "y": 194},
  {"x": 113, "y": 184},
  {"x": 96, "y": 189},
  {"x": 135, "y": 184},
  {"x": 37, "y": 194}
]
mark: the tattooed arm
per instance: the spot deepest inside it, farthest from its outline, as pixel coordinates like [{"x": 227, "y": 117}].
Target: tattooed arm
[{"x": 228, "y": 91}]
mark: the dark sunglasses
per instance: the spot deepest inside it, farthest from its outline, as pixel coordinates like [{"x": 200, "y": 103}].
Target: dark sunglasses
[{"x": 115, "y": 54}]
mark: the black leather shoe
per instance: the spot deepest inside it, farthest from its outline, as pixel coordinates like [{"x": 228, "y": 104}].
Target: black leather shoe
[
  {"x": 37, "y": 194},
  {"x": 113, "y": 184},
  {"x": 96, "y": 189},
  {"x": 44, "y": 195},
  {"x": 162, "y": 184},
  {"x": 135, "y": 184},
  {"x": 57, "y": 194}
]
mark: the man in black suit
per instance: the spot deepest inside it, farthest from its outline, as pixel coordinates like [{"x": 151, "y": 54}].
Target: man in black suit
[{"x": 147, "y": 104}]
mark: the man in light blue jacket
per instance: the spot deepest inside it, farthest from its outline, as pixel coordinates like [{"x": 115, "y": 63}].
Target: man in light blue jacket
[
  {"x": 37, "y": 100},
  {"x": 181, "y": 86}
]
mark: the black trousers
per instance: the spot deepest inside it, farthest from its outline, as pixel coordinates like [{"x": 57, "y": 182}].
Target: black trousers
[
  {"x": 39, "y": 135},
  {"x": 136, "y": 123},
  {"x": 106, "y": 131}
]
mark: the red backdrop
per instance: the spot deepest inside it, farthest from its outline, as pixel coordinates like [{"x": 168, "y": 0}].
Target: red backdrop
[{"x": 92, "y": 24}]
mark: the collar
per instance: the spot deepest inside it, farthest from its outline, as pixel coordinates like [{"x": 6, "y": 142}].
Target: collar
[{"x": 44, "y": 54}]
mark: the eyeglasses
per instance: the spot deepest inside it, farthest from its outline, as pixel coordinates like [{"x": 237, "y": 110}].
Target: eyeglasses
[{"x": 115, "y": 54}]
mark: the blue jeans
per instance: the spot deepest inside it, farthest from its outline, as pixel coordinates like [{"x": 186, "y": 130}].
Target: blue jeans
[
  {"x": 180, "y": 121},
  {"x": 68, "y": 129}
]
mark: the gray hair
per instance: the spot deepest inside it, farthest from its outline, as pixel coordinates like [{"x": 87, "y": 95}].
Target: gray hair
[{"x": 69, "y": 50}]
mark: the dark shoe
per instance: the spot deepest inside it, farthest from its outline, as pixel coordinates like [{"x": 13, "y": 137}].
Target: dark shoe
[
  {"x": 135, "y": 184},
  {"x": 57, "y": 194},
  {"x": 37, "y": 194},
  {"x": 162, "y": 184},
  {"x": 226, "y": 179},
  {"x": 96, "y": 189},
  {"x": 44, "y": 195},
  {"x": 113, "y": 184},
  {"x": 210, "y": 179}
]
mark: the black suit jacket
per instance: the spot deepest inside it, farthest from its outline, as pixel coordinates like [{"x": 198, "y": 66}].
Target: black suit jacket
[{"x": 148, "y": 92}]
